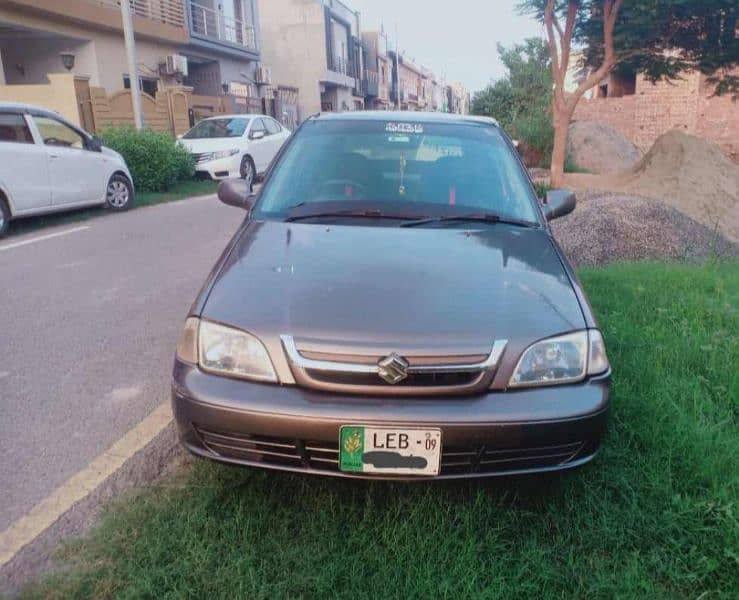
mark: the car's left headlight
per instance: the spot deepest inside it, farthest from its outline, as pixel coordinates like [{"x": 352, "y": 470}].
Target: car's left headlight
[
  {"x": 562, "y": 359},
  {"x": 225, "y": 153},
  {"x": 225, "y": 350}
]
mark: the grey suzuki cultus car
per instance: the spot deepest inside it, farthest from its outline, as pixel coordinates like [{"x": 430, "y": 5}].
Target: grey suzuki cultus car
[{"x": 394, "y": 306}]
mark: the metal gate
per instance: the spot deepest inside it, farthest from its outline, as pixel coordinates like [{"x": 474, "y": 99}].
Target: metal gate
[{"x": 286, "y": 107}]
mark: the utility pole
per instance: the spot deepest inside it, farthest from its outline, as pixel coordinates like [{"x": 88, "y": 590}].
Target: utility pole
[
  {"x": 397, "y": 69},
  {"x": 133, "y": 76}
]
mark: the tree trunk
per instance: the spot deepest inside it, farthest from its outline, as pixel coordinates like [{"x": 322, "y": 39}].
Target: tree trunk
[{"x": 559, "y": 150}]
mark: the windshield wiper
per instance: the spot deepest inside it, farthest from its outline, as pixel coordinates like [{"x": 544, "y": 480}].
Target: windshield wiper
[
  {"x": 366, "y": 213},
  {"x": 483, "y": 217}
]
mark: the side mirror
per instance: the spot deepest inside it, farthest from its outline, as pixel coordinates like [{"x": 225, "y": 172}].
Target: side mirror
[
  {"x": 559, "y": 203},
  {"x": 256, "y": 135},
  {"x": 236, "y": 192},
  {"x": 95, "y": 144}
]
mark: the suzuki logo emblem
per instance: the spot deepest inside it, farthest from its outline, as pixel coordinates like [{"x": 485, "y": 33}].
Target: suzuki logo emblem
[{"x": 393, "y": 368}]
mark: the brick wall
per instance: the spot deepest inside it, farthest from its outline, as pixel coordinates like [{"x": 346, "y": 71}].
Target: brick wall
[
  {"x": 617, "y": 112},
  {"x": 656, "y": 108}
]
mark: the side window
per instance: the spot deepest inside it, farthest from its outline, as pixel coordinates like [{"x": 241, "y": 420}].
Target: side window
[
  {"x": 272, "y": 126},
  {"x": 56, "y": 133},
  {"x": 13, "y": 128},
  {"x": 257, "y": 125}
]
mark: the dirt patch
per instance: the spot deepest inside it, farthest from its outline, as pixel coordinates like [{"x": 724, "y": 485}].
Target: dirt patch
[
  {"x": 687, "y": 173},
  {"x": 599, "y": 148},
  {"x": 608, "y": 227}
]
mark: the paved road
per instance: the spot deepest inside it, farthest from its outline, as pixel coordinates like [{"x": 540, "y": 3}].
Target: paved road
[{"x": 88, "y": 325}]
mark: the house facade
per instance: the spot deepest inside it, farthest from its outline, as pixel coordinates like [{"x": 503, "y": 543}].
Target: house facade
[
  {"x": 34, "y": 34},
  {"x": 223, "y": 52},
  {"x": 378, "y": 70},
  {"x": 286, "y": 58},
  {"x": 315, "y": 46}
]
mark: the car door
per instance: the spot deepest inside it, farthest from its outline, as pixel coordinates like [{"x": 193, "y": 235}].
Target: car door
[
  {"x": 259, "y": 145},
  {"x": 275, "y": 131},
  {"x": 77, "y": 174},
  {"x": 24, "y": 173}
]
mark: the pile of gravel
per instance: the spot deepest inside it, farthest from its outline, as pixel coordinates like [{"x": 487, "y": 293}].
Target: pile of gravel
[
  {"x": 600, "y": 148},
  {"x": 608, "y": 227}
]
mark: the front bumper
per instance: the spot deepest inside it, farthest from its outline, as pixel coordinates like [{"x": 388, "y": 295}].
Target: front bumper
[
  {"x": 222, "y": 168},
  {"x": 297, "y": 429}
]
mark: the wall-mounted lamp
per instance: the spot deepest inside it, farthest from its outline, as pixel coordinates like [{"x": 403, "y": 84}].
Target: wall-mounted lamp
[
  {"x": 21, "y": 69},
  {"x": 67, "y": 60}
]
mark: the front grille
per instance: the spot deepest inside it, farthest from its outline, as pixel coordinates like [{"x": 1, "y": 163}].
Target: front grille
[
  {"x": 317, "y": 456},
  {"x": 454, "y": 379},
  {"x": 367, "y": 373}
]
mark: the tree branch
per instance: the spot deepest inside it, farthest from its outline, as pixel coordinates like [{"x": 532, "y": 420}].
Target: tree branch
[
  {"x": 566, "y": 37},
  {"x": 549, "y": 20},
  {"x": 610, "y": 15}
]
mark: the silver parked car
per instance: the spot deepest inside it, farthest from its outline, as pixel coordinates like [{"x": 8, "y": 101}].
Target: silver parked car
[{"x": 47, "y": 164}]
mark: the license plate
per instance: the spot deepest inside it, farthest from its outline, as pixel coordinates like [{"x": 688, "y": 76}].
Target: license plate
[{"x": 391, "y": 451}]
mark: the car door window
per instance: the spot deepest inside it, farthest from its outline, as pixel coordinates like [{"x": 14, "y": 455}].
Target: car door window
[
  {"x": 13, "y": 128},
  {"x": 273, "y": 126},
  {"x": 56, "y": 133},
  {"x": 258, "y": 125}
]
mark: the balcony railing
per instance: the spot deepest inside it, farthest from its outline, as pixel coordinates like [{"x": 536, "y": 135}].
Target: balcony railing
[
  {"x": 372, "y": 82},
  {"x": 171, "y": 12},
  {"x": 214, "y": 24},
  {"x": 339, "y": 64}
]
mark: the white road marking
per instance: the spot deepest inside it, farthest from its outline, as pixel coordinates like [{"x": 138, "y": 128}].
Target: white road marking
[
  {"x": 41, "y": 238},
  {"x": 28, "y": 527}
]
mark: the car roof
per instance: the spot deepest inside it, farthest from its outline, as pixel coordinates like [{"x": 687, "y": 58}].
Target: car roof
[
  {"x": 237, "y": 116},
  {"x": 404, "y": 116},
  {"x": 32, "y": 108}
]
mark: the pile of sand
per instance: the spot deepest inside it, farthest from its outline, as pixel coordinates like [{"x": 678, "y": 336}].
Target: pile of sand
[
  {"x": 599, "y": 148},
  {"x": 608, "y": 227},
  {"x": 687, "y": 173}
]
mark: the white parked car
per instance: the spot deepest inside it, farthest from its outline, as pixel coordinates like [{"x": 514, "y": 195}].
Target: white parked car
[
  {"x": 48, "y": 165},
  {"x": 235, "y": 145}
]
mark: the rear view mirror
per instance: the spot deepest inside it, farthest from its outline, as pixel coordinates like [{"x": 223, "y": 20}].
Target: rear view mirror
[
  {"x": 256, "y": 135},
  {"x": 559, "y": 203},
  {"x": 236, "y": 192}
]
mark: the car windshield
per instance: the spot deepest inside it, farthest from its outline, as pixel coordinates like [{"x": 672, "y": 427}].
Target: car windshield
[
  {"x": 389, "y": 168},
  {"x": 218, "y": 128}
]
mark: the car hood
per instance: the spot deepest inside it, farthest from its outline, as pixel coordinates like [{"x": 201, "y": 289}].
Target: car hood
[
  {"x": 394, "y": 289},
  {"x": 210, "y": 144}
]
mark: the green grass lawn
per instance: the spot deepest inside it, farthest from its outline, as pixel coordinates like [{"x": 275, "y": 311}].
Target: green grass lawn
[
  {"x": 181, "y": 190},
  {"x": 654, "y": 516}
]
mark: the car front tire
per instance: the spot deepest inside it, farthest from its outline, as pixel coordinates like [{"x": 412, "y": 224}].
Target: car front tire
[
  {"x": 248, "y": 171},
  {"x": 119, "y": 194}
]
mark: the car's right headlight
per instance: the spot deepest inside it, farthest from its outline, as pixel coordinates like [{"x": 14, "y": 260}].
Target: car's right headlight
[
  {"x": 224, "y": 350},
  {"x": 225, "y": 153},
  {"x": 562, "y": 359}
]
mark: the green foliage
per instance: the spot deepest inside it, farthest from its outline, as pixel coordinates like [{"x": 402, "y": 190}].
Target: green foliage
[
  {"x": 654, "y": 516},
  {"x": 661, "y": 38},
  {"x": 155, "y": 160},
  {"x": 521, "y": 100}
]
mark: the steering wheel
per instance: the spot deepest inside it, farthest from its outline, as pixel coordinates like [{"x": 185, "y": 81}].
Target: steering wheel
[{"x": 338, "y": 187}]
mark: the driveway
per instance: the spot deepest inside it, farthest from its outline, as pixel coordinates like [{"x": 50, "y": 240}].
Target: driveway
[{"x": 89, "y": 317}]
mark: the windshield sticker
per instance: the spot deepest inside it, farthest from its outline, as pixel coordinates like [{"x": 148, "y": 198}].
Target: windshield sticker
[
  {"x": 404, "y": 128},
  {"x": 402, "y": 139}
]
